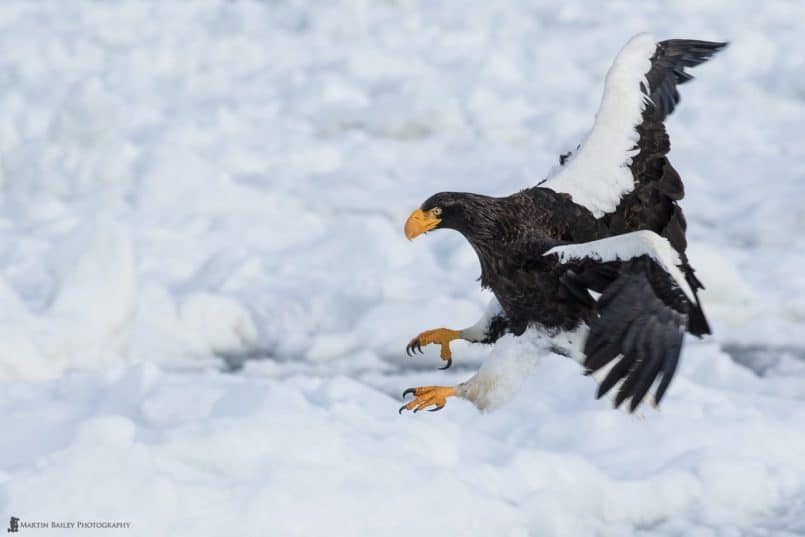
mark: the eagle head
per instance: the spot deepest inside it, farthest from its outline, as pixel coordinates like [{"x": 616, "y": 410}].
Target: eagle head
[{"x": 445, "y": 210}]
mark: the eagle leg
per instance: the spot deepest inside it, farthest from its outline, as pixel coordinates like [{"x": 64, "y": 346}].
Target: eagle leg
[
  {"x": 428, "y": 396},
  {"x": 440, "y": 336}
]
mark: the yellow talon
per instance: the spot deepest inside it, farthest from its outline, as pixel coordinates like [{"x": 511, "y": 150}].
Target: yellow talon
[
  {"x": 428, "y": 396},
  {"x": 440, "y": 336}
]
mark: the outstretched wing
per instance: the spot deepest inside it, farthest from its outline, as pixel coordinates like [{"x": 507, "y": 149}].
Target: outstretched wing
[
  {"x": 628, "y": 142},
  {"x": 641, "y": 315}
]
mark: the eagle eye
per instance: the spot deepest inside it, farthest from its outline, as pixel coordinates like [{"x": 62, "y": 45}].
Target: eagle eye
[{"x": 436, "y": 211}]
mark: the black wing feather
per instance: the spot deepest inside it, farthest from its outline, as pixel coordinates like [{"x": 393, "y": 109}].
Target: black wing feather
[
  {"x": 645, "y": 377},
  {"x": 639, "y": 321},
  {"x": 668, "y": 70}
]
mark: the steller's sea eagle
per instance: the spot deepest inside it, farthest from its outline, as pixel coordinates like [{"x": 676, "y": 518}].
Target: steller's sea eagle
[{"x": 593, "y": 257}]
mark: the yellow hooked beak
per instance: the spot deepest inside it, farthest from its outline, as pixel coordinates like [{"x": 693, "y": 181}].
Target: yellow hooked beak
[{"x": 419, "y": 222}]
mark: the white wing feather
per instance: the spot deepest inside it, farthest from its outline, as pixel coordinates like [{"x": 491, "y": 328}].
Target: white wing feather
[
  {"x": 598, "y": 175},
  {"x": 628, "y": 246}
]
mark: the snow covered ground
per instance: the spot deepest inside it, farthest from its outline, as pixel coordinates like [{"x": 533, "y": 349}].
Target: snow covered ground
[{"x": 205, "y": 291}]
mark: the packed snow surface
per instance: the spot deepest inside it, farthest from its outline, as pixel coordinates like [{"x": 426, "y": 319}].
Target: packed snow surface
[{"x": 206, "y": 293}]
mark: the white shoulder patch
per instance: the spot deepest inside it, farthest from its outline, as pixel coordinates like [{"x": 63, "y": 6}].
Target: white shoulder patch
[
  {"x": 598, "y": 174},
  {"x": 629, "y": 246}
]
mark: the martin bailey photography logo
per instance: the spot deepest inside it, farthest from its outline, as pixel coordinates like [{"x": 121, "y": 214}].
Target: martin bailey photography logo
[{"x": 15, "y": 524}]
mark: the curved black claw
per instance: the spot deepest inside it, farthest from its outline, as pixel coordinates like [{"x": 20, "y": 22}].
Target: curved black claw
[
  {"x": 412, "y": 348},
  {"x": 406, "y": 392},
  {"x": 437, "y": 409},
  {"x": 449, "y": 363}
]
